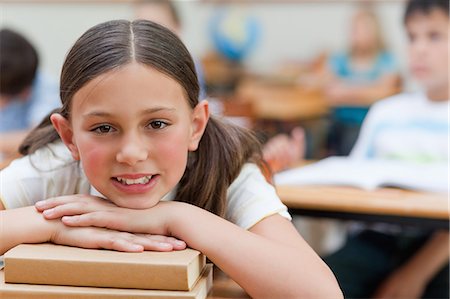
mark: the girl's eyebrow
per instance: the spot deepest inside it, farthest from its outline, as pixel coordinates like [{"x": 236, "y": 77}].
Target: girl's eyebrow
[{"x": 146, "y": 111}]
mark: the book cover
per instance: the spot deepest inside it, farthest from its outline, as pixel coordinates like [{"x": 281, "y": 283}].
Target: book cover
[
  {"x": 71, "y": 266},
  {"x": 29, "y": 291}
]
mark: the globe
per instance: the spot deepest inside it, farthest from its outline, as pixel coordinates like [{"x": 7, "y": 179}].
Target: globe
[{"x": 234, "y": 34}]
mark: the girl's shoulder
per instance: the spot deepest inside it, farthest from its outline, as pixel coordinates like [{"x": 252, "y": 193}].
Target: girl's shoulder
[
  {"x": 251, "y": 198},
  {"x": 48, "y": 172},
  {"x": 49, "y": 158}
]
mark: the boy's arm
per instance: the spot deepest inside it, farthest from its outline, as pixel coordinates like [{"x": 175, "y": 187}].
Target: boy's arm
[{"x": 410, "y": 280}]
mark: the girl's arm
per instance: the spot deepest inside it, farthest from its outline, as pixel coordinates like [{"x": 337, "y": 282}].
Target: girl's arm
[
  {"x": 27, "y": 225},
  {"x": 24, "y": 225},
  {"x": 340, "y": 93},
  {"x": 411, "y": 279},
  {"x": 270, "y": 260}
]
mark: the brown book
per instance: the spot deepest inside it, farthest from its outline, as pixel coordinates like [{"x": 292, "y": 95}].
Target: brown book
[
  {"x": 71, "y": 266},
  {"x": 30, "y": 291}
]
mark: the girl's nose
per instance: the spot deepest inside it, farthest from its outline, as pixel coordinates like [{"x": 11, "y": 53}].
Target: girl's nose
[{"x": 132, "y": 151}]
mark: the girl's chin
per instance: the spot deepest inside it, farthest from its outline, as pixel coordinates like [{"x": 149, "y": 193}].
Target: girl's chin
[{"x": 135, "y": 203}]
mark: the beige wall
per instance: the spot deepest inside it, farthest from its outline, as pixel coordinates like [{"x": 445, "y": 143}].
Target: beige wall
[{"x": 291, "y": 30}]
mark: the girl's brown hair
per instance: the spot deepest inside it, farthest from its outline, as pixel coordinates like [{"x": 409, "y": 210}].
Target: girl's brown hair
[{"x": 223, "y": 149}]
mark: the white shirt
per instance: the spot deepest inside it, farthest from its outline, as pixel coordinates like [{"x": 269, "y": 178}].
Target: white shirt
[
  {"x": 406, "y": 127},
  {"x": 51, "y": 171}
]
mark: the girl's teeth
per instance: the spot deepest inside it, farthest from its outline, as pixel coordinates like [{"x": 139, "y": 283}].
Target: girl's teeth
[{"x": 142, "y": 180}]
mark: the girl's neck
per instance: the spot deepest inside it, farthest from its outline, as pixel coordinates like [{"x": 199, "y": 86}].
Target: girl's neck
[{"x": 364, "y": 54}]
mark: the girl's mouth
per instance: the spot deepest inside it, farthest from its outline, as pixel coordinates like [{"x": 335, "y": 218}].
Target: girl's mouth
[
  {"x": 135, "y": 185},
  {"x": 142, "y": 180}
]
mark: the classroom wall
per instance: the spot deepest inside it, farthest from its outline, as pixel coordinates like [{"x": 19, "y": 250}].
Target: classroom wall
[{"x": 291, "y": 30}]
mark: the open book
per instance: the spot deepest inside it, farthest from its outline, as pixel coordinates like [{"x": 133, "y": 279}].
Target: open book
[{"x": 369, "y": 174}]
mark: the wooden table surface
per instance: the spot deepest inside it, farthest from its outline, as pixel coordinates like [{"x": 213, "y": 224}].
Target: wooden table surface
[
  {"x": 285, "y": 102},
  {"x": 386, "y": 201}
]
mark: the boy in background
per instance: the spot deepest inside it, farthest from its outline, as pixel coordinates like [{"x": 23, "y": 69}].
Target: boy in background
[
  {"x": 388, "y": 261},
  {"x": 26, "y": 95}
]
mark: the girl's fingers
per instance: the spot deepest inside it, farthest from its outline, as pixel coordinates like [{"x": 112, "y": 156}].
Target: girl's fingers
[
  {"x": 71, "y": 208},
  {"x": 120, "y": 244},
  {"x": 153, "y": 245},
  {"x": 176, "y": 244},
  {"x": 124, "y": 241},
  {"x": 98, "y": 219},
  {"x": 56, "y": 201},
  {"x": 114, "y": 222},
  {"x": 83, "y": 199}
]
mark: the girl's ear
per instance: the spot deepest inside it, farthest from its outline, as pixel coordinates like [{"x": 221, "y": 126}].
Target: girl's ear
[
  {"x": 200, "y": 118},
  {"x": 64, "y": 129}
]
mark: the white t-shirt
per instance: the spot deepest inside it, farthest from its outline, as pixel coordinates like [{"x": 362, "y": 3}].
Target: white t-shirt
[
  {"x": 407, "y": 127},
  {"x": 51, "y": 172}
]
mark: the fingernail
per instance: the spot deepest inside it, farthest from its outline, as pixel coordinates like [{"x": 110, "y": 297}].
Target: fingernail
[
  {"x": 137, "y": 247},
  {"x": 181, "y": 243},
  {"x": 165, "y": 245},
  {"x": 48, "y": 212},
  {"x": 40, "y": 203},
  {"x": 68, "y": 218}
]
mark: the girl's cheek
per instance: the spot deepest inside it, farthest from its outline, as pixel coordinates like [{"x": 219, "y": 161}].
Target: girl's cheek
[{"x": 94, "y": 158}]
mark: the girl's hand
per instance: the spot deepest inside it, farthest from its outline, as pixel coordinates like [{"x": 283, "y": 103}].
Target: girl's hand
[
  {"x": 94, "y": 237},
  {"x": 93, "y": 213}
]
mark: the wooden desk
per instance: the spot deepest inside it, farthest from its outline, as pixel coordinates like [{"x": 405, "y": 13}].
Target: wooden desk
[
  {"x": 224, "y": 287},
  {"x": 286, "y": 102},
  {"x": 385, "y": 205}
]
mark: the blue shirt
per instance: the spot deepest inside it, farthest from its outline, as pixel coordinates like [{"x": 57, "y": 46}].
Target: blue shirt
[
  {"x": 341, "y": 66},
  {"x": 23, "y": 114}
]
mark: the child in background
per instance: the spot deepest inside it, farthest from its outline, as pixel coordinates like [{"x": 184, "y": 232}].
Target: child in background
[
  {"x": 165, "y": 13},
  {"x": 142, "y": 165},
  {"x": 389, "y": 261},
  {"x": 356, "y": 79},
  {"x": 26, "y": 95}
]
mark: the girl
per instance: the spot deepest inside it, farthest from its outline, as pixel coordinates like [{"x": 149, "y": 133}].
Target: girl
[
  {"x": 357, "y": 78},
  {"x": 137, "y": 136}
]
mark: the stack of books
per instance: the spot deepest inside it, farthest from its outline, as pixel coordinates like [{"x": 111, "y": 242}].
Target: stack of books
[{"x": 55, "y": 271}]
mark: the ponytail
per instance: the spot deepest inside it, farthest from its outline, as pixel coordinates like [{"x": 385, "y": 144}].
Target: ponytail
[
  {"x": 223, "y": 150},
  {"x": 43, "y": 134}
]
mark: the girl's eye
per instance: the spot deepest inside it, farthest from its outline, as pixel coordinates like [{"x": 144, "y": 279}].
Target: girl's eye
[
  {"x": 103, "y": 129},
  {"x": 157, "y": 124}
]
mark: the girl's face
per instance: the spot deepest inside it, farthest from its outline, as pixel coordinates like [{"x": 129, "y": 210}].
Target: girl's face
[
  {"x": 132, "y": 129},
  {"x": 363, "y": 33}
]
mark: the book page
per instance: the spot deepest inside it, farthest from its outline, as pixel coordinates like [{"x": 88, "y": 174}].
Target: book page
[{"x": 368, "y": 174}]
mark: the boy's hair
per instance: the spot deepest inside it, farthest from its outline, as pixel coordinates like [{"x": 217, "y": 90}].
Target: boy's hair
[
  {"x": 223, "y": 149},
  {"x": 18, "y": 63},
  {"x": 425, "y": 7}
]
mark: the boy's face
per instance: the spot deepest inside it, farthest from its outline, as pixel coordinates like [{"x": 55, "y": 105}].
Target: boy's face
[
  {"x": 428, "y": 48},
  {"x": 132, "y": 129}
]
